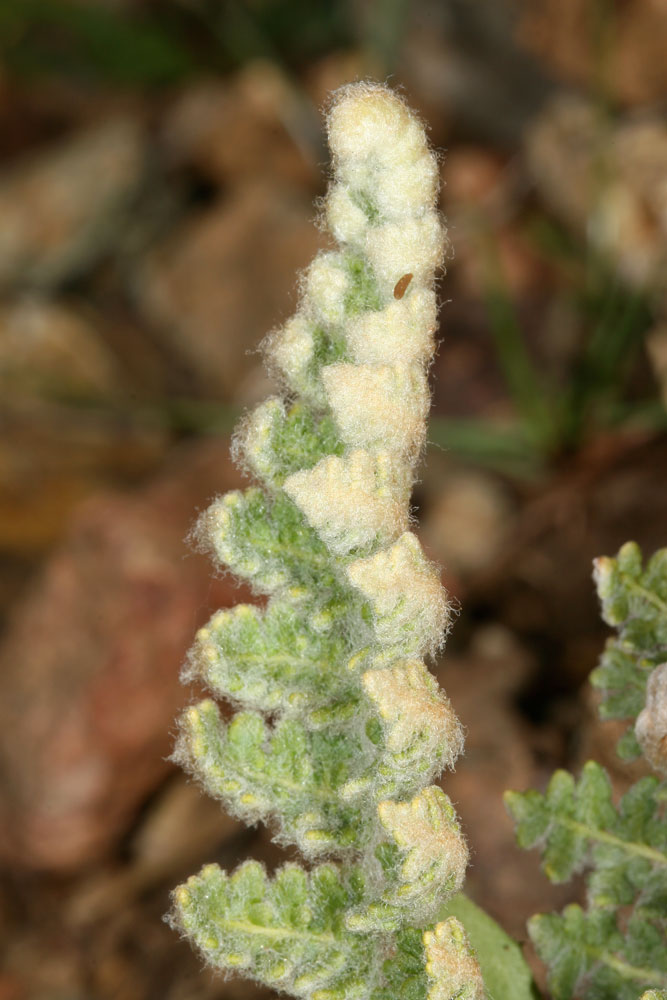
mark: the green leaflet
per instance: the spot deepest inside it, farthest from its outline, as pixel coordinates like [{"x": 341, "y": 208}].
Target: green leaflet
[
  {"x": 267, "y": 541},
  {"x": 262, "y": 772},
  {"x": 328, "y": 347},
  {"x": 278, "y": 441},
  {"x": 318, "y": 345},
  {"x": 287, "y": 930},
  {"x": 577, "y": 825},
  {"x": 283, "y": 657},
  {"x": 363, "y": 294},
  {"x": 634, "y": 601},
  {"x": 588, "y": 947},
  {"x": 404, "y": 973}
]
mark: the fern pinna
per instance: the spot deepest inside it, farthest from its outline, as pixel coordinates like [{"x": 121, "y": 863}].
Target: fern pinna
[{"x": 341, "y": 730}]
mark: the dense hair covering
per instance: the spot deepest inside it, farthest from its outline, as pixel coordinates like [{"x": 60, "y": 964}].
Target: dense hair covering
[{"x": 341, "y": 730}]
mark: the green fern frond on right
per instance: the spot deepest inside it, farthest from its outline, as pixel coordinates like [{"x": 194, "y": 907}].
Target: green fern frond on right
[
  {"x": 617, "y": 946},
  {"x": 634, "y": 601}
]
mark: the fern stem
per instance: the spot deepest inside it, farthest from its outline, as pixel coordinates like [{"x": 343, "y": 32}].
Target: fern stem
[
  {"x": 245, "y": 927},
  {"x": 591, "y": 833},
  {"x": 643, "y": 976},
  {"x": 322, "y": 794},
  {"x": 648, "y": 595}
]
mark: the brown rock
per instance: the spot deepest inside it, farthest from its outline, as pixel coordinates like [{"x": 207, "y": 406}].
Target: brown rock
[
  {"x": 210, "y": 292},
  {"x": 569, "y": 40},
  {"x": 185, "y": 823},
  {"x": 183, "y": 829},
  {"x": 48, "y": 347},
  {"x": 62, "y": 207},
  {"x": 253, "y": 126},
  {"x": 467, "y": 523},
  {"x": 89, "y": 682},
  {"x": 52, "y": 456},
  {"x": 615, "y": 194}
]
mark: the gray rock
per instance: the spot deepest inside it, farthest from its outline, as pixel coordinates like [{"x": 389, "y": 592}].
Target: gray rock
[
  {"x": 224, "y": 280},
  {"x": 62, "y": 208}
]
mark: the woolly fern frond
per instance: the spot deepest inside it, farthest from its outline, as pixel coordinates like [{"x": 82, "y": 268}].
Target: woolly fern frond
[{"x": 341, "y": 730}]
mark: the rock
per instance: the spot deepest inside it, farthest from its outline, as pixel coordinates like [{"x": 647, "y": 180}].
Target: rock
[
  {"x": 615, "y": 194},
  {"x": 89, "y": 681},
  {"x": 223, "y": 281},
  {"x": 185, "y": 823},
  {"x": 50, "y": 348},
  {"x": 52, "y": 456},
  {"x": 462, "y": 66},
  {"x": 183, "y": 829},
  {"x": 62, "y": 207},
  {"x": 468, "y": 522},
  {"x": 253, "y": 126},
  {"x": 567, "y": 41}
]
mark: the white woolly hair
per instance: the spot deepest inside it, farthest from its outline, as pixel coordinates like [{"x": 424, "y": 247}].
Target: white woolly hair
[{"x": 357, "y": 353}]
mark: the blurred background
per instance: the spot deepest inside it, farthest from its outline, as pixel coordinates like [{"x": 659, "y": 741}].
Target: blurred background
[{"x": 159, "y": 163}]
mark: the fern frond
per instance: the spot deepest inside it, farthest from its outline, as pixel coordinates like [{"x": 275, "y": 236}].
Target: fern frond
[
  {"x": 341, "y": 730},
  {"x": 634, "y": 601},
  {"x": 618, "y": 945}
]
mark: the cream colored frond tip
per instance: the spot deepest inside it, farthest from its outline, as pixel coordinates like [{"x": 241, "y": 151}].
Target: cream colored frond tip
[
  {"x": 369, "y": 120},
  {"x": 452, "y": 968},
  {"x": 414, "y": 246}
]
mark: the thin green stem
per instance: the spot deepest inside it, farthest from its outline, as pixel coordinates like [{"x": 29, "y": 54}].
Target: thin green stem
[
  {"x": 592, "y": 833},
  {"x": 283, "y": 660},
  {"x": 644, "y": 976},
  {"x": 262, "y": 778},
  {"x": 276, "y": 932},
  {"x": 646, "y": 594}
]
